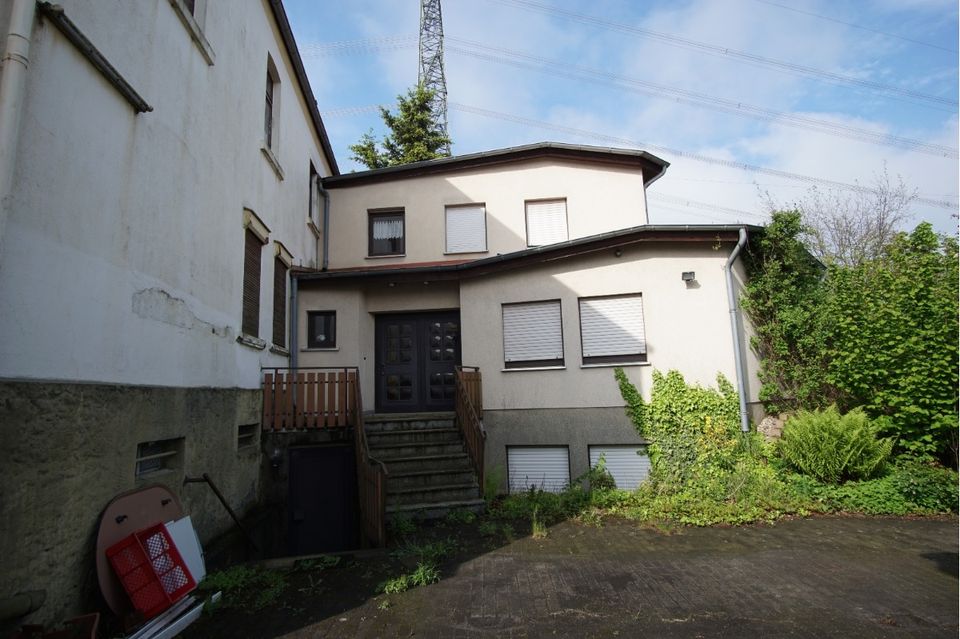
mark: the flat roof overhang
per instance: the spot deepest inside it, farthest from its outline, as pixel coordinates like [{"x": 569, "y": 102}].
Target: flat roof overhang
[{"x": 457, "y": 270}]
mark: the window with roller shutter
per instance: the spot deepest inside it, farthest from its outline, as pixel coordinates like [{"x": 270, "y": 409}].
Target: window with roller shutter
[
  {"x": 532, "y": 334},
  {"x": 611, "y": 329},
  {"x": 250, "y": 321},
  {"x": 279, "y": 302},
  {"x": 546, "y": 222},
  {"x": 544, "y": 467},
  {"x": 466, "y": 229}
]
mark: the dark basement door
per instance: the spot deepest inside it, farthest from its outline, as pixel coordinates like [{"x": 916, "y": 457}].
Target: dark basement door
[{"x": 416, "y": 355}]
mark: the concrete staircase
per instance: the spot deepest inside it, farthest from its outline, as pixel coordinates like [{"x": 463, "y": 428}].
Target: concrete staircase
[{"x": 430, "y": 473}]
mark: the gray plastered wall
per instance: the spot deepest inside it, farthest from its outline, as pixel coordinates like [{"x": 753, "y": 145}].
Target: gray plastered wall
[
  {"x": 72, "y": 448},
  {"x": 576, "y": 428}
]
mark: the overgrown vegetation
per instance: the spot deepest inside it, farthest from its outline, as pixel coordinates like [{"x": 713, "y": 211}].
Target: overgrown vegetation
[
  {"x": 834, "y": 448},
  {"x": 879, "y": 333},
  {"x": 245, "y": 587}
]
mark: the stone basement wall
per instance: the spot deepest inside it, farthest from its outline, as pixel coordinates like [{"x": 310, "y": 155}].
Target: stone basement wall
[{"x": 68, "y": 449}]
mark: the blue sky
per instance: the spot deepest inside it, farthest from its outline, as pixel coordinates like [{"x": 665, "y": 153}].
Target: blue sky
[{"x": 826, "y": 90}]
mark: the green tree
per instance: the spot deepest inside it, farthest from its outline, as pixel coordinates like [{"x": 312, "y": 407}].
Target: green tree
[
  {"x": 414, "y": 134},
  {"x": 784, "y": 299},
  {"x": 892, "y": 345}
]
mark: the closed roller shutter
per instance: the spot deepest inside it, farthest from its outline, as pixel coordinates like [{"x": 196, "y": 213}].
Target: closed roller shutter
[
  {"x": 545, "y": 468},
  {"x": 629, "y": 465},
  {"x": 250, "y": 320},
  {"x": 532, "y": 333},
  {"x": 611, "y": 328},
  {"x": 466, "y": 229},
  {"x": 546, "y": 222}
]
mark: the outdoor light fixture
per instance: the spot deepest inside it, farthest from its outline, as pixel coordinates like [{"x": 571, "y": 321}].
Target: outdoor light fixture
[
  {"x": 618, "y": 253},
  {"x": 275, "y": 458},
  {"x": 689, "y": 276}
]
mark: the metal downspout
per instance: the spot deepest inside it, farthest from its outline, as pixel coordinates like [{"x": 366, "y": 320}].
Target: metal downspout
[
  {"x": 13, "y": 82},
  {"x": 294, "y": 349},
  {"x": 735, "y": 329},
  {"x": 326, "y": 227}
]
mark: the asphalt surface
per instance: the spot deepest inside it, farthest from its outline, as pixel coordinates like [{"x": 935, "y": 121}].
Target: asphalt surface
[{"x": 821, "y": 577}]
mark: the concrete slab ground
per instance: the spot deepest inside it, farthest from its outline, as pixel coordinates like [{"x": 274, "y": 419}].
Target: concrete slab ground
[{"x": 821, "y": 577}]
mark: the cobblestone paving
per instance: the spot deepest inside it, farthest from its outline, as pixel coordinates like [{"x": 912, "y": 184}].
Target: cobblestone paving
[{"x": 830, "y": 577}]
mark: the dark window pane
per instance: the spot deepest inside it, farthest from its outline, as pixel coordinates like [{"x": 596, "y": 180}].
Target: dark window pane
[{"x": 321, "y": 329}]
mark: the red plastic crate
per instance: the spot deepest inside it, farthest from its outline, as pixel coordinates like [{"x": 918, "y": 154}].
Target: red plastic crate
[{"x": 151, "y": 570}]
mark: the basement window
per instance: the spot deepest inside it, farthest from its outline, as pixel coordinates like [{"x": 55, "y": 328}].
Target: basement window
[
  {"x": 158, "y": 457},
  {"x": 246, "y": 436}
]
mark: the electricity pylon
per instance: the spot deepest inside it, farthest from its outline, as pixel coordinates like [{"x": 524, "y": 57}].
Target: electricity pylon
[{"x": 431, "y": 74}]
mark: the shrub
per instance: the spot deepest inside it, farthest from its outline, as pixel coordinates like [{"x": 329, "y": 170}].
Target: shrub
[
  {"x": 834, "y": 448},
  {"x": 928, "y": 486}
]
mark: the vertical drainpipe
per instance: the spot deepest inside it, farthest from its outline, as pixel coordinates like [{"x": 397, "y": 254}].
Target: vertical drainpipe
[
  {"x": 735, "y": 329},
  {"x": 326, "y": 227},
  {"x": 13, "y": 82},
  {"x": 294, "y": 347}
]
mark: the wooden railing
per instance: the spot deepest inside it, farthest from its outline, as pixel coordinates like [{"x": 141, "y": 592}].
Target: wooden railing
[
  {"x": 371, "y": 482},
  {"x": 469, "y": 411},
  {"x": 308, "y": 398},
  {"x": 326, "y": 398}
]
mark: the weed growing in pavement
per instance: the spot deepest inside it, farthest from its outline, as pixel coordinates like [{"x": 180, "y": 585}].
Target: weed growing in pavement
[
  {"x": 425, "y": 574},
  {"x": 384, "y": 604},
  {"x": 402, "y": 526},
  {"x": 245, "y": 587},
  {"x": 395, "y": 586},
  {"x": 538, "y": 529},
  {"x": 460, "y": 516}
]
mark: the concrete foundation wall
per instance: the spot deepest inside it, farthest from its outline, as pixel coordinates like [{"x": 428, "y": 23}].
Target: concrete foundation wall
[
  {"x": 577, "y": 428},
  {"x": 70, "y": 448}
]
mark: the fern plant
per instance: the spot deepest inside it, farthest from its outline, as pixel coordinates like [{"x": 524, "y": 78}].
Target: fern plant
[{"x": 834, "y": 448}]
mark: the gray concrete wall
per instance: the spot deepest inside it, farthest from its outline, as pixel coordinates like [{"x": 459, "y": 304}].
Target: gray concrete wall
[
  {"x": 68, "y": 449},
  {"x": 577, "y": 428}
]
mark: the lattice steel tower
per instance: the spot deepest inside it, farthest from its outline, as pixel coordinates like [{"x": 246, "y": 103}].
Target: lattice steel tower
[{"x": 431, "y": 74}]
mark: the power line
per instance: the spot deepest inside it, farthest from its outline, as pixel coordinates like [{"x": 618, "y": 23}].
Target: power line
[
  {"x": 704, "y": 47},
  {"x": 685, "y": 201},
  {"x": 522, "y": 60},
  {"x": 698, "y": 99},
  {"x": 743, "y": 166},
  {"x": 857, "y": 26}
]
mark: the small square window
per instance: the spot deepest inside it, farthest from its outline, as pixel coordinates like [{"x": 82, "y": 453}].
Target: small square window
[
  {"x": 386, "y": 233},
  {"x": 158, "y": 457},
  {"x": 246, "y": 435},
  {"x": 321, "y": 329}
]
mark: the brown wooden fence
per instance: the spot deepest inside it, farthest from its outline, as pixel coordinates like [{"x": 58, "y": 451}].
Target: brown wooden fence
[
  {"x": 469, "y": 412},
  {"x": 318, "y": 398},
  {"x": 307, "y": 399}
]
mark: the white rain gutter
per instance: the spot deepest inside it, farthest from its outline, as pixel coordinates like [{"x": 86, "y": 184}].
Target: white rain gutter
[
  {"x": 735, "y": 329},
  {"x": 13, "y": 82}
]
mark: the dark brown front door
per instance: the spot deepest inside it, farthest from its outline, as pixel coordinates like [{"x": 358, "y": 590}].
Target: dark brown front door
[{"x": 416, "y": 355}]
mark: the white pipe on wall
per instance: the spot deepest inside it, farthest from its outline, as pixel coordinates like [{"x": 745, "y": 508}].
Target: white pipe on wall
[{"x": 13, "y": 82}]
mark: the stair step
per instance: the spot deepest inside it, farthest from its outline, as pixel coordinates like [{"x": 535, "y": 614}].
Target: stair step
[
  {"x": 435, "y": 510},
  {"x": 433, "y": 494},
  {"x": 432, "y": 477},
  {"x": 413, "y": 421},
  {"x": 417, "y": 435},
  {"x": 425, "y": 463},
  {"x": 394, "y": 451}
]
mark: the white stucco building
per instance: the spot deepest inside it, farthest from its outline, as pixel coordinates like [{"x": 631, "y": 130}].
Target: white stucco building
[
  {"x": 157, "y": 163},
  {"x": 173, "y": 223}
]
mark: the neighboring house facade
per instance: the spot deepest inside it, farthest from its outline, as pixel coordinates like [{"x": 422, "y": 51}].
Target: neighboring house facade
[
  {"x": 536, "y": 265},
  {"x": 160, "y": 179}
]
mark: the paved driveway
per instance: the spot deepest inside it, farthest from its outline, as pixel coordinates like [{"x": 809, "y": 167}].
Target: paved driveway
[{"x": 825, "y": 577}]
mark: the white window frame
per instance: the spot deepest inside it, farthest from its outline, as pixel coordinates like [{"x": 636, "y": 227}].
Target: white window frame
[
  {"x": 522, "y": 329},
  {"x": 626, "y": 311},
  {"x": 478, "y": 244},
  {"x": 194, "y": 23},
  {"x": 536, "y": 236}
]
